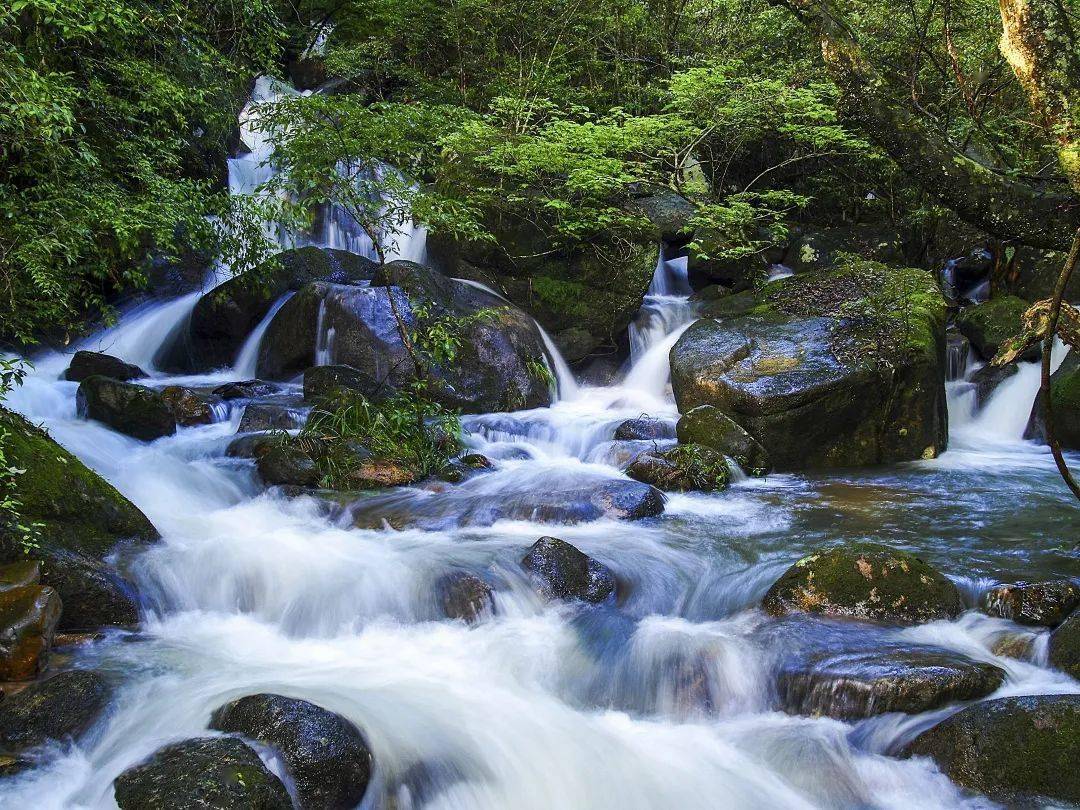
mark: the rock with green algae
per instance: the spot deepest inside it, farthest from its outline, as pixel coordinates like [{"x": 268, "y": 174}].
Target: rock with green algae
[
  {"x": 83, "y": 521},
  {"x": 1065, "y": 400},
  {"x": 1065, "y": 646},
  {"x": 1016, "y": 750},
  {"x": 993, "y": 323},
  {"x": 683, "y": 468},
  {"x": 711, "y": 427},
  {"x": 842, "y": 369},
  {"x": 213, "y": 773},
  {"x": 865, "y": 581}
]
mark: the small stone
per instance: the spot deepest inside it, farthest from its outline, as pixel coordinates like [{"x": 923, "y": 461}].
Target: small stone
[
  {"x": 686, "y": 467},
  {"x": 1033, "y": 603},
  {"x": 259, "y": 418},
  {"x": 711, "y": 427},
  {"x": 188, "y": 407},
  {"x": 321, "y": 382},
  {"x": 565, "y": 572},
  {"x": 644, "y": 428},
  {"x": 464, "y": 596},
  {"x": 136, "y": 410}
]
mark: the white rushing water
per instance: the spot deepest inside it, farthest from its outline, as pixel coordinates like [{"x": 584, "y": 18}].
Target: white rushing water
[{"x": 663, "y": 701}]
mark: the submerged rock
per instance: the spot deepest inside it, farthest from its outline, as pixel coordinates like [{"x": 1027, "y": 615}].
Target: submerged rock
[
  {"x": 992, "y": 323},
  {"x": 865, "y": 581},
  {"x": 61, "y": 707},
  {"x": 1016, "y": 750},
  {"x": 464, "y": 596},
  {"x": 816, "y": 387},
  {"x": 711, "y": 427},
  {"x": 852, "y": 685},
  {"x": 82, "y": 521},
  {"x": 28, "y": 618},
  {"x": 1065, "y": 646},
  {"x": 564, "y": 572},
  {"x": 89, "y": 364},
  {"x": 644, "y": 428},
  {"x": 211, "y": 773},
  {"x": 1033, "y": 603},
  {"x": 245, "y": 389},
  {"x": 135, "y": 410},
  {"x": 324, "y": 753},
  {"x": 686, "y": 467},
  {"x": 259, "y": 417}
]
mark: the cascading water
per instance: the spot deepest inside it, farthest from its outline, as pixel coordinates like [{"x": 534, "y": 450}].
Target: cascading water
[{"x": 665, "y": 700}]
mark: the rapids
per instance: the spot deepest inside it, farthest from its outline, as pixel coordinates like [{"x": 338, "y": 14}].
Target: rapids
[{"x": 544, "y": 705}]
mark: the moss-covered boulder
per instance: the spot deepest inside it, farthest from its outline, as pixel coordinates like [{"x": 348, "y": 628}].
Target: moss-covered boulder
[
  {"x": 135, "y": 410},
  {"x": 213, "y": 773},
  {"x": 1016, "y": 750},
  {"x": 683, "y": 468},
  {"x": 711, "y": 427},
  {"x": 817, "y": 249},
  {"x": 562, "y": 571},
  {"x": 1065, "y": 400},
  {"x": 225, "y": 316},
  {"x": 992, "y": 323},
  {"x": 597, "y": 286},
  {"x": 842, "y": 369},
  {"x": 84, "y": 520},
  {"x": 1065, "y": 646},
  {"x": 1033, "y": 603},
  {"x": 63, "y": 706},
  {"x": 865, "y": 581},
  {"x": 324, "y": 754},
  {"x": 500, "y": 361}
]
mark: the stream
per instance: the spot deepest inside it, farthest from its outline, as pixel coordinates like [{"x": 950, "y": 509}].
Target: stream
[{"x": 665, "y": 699}]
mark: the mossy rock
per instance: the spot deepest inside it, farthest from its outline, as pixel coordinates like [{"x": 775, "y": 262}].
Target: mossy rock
[
  {"x": 1065, "y": 646},
  {"x": 1065, "y": 398},
  {"x": 865, "y": 581},
  {"x": 214, "y": 773},
  {"x": 134, "y": 410},
  {"x": 61, "y": 707},
  {"x": 1016, "y": 750},
  {"x": 686, "y": 467},
  {"x": 711, "y": 427},
  {"x": 992, "y": 323},
  {"x": 818, "y": 249},
  {"x": 83, "y": 521},
  {"x": 842, "y": 369}
]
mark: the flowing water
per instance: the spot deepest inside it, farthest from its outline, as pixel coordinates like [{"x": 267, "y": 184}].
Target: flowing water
[{"x": 665, "y": 700}]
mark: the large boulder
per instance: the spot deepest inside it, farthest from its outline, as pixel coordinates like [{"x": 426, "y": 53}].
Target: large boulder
[
  {"x": 562, "y": 571},
  {"x": 211, "y": 773},
  {"x": 842, "y": 369},
  {"x": 597, "y": 287},
  {"x": 63, "y": 706},
  {"x": 711, "y": 427},
  {"x": 1065, "y": 399},
  {"x": 865, "y": 581},
  {"x": 83, "y": 522},
  {"x": 1033, "y": 603},
  {"x": 500, "y": 359},
  {"x": 28, "y": 619},
  {"x": 136, "y": 410},
  {"x": 224, "y": 317},
  {"x": 88, "y": 364},
  {"x": 1016, "y": 750},
  {"x": 1065, "y": 646},
  {"x": 817, "y": 249},
  {"x": 992, "y": 323},
  {"x": 852, "y": 685},
  {"x": 324, "y": 753},
  {"x": 686, "y": 467}
]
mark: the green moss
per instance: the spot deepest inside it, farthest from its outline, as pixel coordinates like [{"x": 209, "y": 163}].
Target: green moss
[{"x": 564, "y": 297}]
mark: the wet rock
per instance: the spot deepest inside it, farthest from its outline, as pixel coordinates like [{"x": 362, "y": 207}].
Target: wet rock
[
  {"x": 687, "y": 467},
  {"x": 476, "y": 461},
  {"x": 814, "y": 389},
  {"x": 245, "y": 389},
  {"x": 322, "y": 381},
  {"x": 464, "y": 596},
  {"x": 1016, "y": 750},
  {"x": 865, "y": 581},
  {"x": 376, "y": 473},
  {"x": 564, "y": 572},
  {"x": 252, "y": 445},
  {"x": 1033, "y": 603},
  {"x": 1014, "y": 645},
  {"x": 1065, "y": 397},
  {"x": 668, "y": 213},
  {"x": 1065, "y": 646},
  {"x": 60, "y": 707},
  {"x": 188, "y": 407},
  {"x": 135, "y": 410},
  {"x": 821, "y": 248},
  {"x": 496, "y": 366},
  {"x": 259, "y": 417},
  {"x": 223, "y": 318},
  {"x": 89, "y": 364},
  {"x": 576, "y": 343},
  {"x": 19, "y": 575},
  {"x": 711, "y": 427},
  {"x": 84, "y": 525},
  {"x": 644, "y": 428},
  {"x": 852, "y": 685},
  {"x": 215, "y": 773},
  {"x": 28, "y": 619},
  {"x": 287, "y": 464},
  {"x": 627, "y": 500},
  {"x": 987, "y": 379},
  {"x": 324, "y": 753},
  {"x": 990, "y": 324}
]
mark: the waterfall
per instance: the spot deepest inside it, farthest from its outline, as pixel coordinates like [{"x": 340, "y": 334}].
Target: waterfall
[
  {"x": 665, "y": 307},
  {"x": 248, "y": 360}
]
